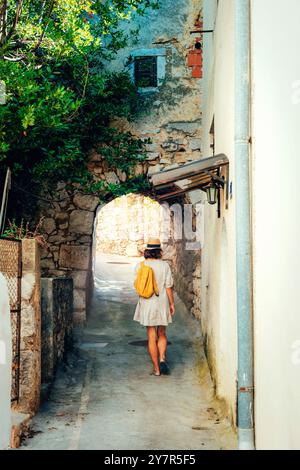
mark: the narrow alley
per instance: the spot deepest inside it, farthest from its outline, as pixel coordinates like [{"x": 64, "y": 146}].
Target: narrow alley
[{"x": 104, "y": 398}]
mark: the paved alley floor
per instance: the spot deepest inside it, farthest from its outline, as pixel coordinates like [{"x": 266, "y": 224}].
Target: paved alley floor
[{"x": 104, "y": 398}]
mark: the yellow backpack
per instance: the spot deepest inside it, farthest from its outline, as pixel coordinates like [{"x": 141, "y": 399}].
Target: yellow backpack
[{"x": 145, "y": 283}]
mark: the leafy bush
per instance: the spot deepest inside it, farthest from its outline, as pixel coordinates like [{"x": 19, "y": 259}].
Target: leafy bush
[{"x": 60, "y": 99}]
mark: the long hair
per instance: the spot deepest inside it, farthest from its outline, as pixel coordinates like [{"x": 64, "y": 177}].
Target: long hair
[{"x": 153, "y": 254}]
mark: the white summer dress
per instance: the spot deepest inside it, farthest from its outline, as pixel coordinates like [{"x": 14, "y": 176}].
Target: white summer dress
[{"x": 156, "y": 310}]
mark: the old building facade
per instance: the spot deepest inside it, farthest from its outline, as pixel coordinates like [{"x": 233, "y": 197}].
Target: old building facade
[
  {"x": 251, "y": 108},
  {"x": 166, "y": 65}
]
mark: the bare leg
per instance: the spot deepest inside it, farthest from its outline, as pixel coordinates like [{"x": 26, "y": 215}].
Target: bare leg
[
  {"x": 152, "y": 348},
  {"x": 162, "y": 342}
]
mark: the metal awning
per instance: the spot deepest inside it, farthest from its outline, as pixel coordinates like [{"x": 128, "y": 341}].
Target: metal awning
[{"x": 196, "y": 175}]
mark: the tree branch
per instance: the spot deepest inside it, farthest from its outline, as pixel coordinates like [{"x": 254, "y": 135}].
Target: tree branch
[
  {"x": 14, "y": 59},
  {"x": 52, "y": 4},
  {"x": 3, "y": 22},
  {"x": 42, "y": 12},
  {"x": 16, "y": 20}
]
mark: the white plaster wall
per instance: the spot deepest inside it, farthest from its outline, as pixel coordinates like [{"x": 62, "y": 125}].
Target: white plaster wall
[
  {"x": 218, "y": 255},
  {"x": 167, "y": 31},
  {"x": 276, "y": 170},
  {"x": 5, "y": 365}
]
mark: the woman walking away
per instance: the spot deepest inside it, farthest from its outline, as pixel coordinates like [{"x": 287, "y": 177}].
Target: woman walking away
[{"x": 155, "y": 309}]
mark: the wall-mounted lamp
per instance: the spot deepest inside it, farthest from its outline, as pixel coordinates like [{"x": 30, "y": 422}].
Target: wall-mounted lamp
[
  {"x": 212, "y": 190},
  {"x": 212, "y": 194}
]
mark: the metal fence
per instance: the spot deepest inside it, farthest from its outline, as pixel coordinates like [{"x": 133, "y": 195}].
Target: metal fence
[{"x": 11, "y": 268}]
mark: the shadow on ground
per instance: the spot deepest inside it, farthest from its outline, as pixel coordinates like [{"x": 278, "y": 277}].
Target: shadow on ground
[{"x": 104, "y": 397}]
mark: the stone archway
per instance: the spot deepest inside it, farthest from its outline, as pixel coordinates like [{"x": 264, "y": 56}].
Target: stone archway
[{"x": 68, "y": 228}]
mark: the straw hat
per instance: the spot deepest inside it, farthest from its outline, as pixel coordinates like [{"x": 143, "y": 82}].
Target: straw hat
[{"x": 153, "y": 244}]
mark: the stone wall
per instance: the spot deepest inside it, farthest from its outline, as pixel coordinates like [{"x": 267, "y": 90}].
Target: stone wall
[
  {"x": 187, "y": 276},
  {"x": 170, "y": 117},
  {"x": 30, "y": 359},
  {"x": 57, "y": 323},
  {"x": 68, "y": 229}
]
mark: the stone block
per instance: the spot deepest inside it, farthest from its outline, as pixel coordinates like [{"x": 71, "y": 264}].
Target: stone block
[
  {"x": 152, "y": 156},
  {"x": 49, "y": 225},
  {"x": 30, "y": 256},
  {"x": 81, "y": 221},
  {"x": 170, "y": 146},
  {"x": 74, "y": 256},
  {"x": 154, "y": 169},
  {"x": 28, "y": 325},
  {"x": 27, "y": 285},
  {"x": 195, "y": 144},
  {"x": 138, "y": 169},
  {"x": 30, "y": 381},
  {"x": 165, "y": 161},
  {"x": 151, "y": 147},
  {"x": 80, "y": 279},
  {"x": 188, "y": 128},
  {"x": 47, "y": 330},
  {"x": 61, "y": 217},
  {"x": 150, "y": 131},
  {"x": 57, "y": 323},
  {"x": 111, "y": 177},
  {"x": 30, "y": 358},
  {"x": 180, "y": 157},
  {"x": 47, "y": 263},
  {"x": 171, "y": 167},
  {"x": 86, "y": 201},
  {"x": 79, "y": 299},
  {"x": 121, "y": 175},
  {"x": 85, "y": 239},
  {"x": 64, "y": 226}
]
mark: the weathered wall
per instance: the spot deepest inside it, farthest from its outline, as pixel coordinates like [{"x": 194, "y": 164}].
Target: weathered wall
[
  {"x": 68, "y": 230},
  {"x": 57, "y": 323},
  {"x": 276, "y": 230},
  {"x": 187, "y": 275},
  {"x": 218, "y": 282},
  {"x": 30, "y": 362},
  {"x": 170, "y": 116}
]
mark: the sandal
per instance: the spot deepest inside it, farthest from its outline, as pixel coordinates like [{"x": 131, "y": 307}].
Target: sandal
[
  {"x": 164, "y": 368},
  {"x": 155, "y": 374}
]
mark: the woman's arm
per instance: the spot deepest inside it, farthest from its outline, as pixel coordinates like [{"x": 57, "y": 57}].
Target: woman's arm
[{"x": 170, "y": 295}]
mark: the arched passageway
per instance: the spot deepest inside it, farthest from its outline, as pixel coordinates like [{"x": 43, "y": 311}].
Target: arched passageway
[{"x": 106, "y": 399}]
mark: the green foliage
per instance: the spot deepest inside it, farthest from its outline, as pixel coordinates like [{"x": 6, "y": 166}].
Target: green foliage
[
  {"x": 19, "y": 232},
  {"x": 60, "y": 99}
]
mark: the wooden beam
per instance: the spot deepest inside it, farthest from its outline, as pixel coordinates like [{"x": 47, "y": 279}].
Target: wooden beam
[{"x": 189, "y": 170}]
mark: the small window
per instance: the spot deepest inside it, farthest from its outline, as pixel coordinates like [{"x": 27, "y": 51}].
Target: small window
[{"x": 145, "y": 72}]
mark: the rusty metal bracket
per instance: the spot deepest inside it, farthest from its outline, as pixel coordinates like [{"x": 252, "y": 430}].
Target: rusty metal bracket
[
  {"x": 246, "y": 389},
  {"x": 204, "y": 31}
]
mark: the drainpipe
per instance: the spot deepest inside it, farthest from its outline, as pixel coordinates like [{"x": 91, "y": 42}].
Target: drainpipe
[{"x": 243, "y": 227}]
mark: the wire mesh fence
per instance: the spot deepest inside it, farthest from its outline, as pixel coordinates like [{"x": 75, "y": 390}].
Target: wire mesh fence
[{"x": 11, "y": 268}]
